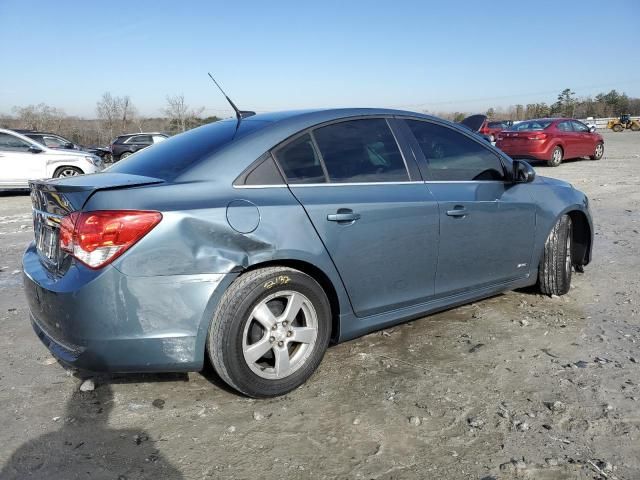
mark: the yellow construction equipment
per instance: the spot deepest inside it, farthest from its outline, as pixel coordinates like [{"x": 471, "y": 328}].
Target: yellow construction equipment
[{"x": 622, "y": 123}]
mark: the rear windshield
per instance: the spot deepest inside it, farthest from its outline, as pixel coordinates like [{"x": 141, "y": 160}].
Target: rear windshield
[
  {"x": 531, "y": 125},
  {"x": 168, "y": 159}
]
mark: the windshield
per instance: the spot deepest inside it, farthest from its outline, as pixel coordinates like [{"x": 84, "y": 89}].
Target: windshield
[
  {"x": 167, "y": 159},
  {"x": 531, "y": 125}
]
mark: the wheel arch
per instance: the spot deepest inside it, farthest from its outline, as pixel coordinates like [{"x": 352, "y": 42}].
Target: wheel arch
[
  {"x": 582, "y": 237},
  {"x": 319, "y": 276}
]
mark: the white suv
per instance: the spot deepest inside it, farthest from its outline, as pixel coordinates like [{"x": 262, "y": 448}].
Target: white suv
[{"x": 22, "y": 159}]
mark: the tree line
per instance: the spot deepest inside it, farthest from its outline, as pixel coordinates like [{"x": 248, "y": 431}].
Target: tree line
[{"x": 115, "y": 115}]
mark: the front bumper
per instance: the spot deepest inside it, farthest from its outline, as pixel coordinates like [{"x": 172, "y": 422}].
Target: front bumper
[{"x": 106, "y": 321}]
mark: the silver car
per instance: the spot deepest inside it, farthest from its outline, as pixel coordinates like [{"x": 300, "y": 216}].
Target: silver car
[{"x": 23, "y": 159}]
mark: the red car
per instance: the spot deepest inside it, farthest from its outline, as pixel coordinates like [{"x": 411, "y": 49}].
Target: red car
[
  {"x": 551, "y": 140},
  {"x": 491, "y": 129}
]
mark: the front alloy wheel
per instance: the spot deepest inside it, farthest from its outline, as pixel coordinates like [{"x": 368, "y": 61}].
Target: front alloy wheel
[
  {"x": 270, "y": 331},
  {"x": 598, "y": 152}
]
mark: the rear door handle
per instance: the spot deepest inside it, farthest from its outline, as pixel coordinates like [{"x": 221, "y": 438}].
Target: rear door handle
[
  {"x": 343, "y": 215},
  {"x": 458, "y": 211}
]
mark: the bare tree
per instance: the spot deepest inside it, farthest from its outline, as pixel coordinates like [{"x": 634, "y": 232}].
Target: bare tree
[
  {"x": 180, "y": 114},
  {"x": 115, "y": 113}
]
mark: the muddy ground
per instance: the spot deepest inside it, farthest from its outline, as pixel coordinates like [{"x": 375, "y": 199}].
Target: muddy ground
[{"x": 516, "y": 386}]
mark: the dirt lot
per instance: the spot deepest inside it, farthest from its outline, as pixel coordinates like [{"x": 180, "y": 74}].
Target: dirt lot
[{"x": 517, "y": 386}]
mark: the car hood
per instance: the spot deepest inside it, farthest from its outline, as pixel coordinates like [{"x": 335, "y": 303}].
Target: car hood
[{"x": 555, "y": 182}]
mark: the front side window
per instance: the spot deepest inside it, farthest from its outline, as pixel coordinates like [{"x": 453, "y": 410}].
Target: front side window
[
  {"x": 144, "y": 139},
  {"x": 300, "y": 162},
  {"x": 453, "y": 156},
  {"x": 9, "y": 143},
  {"x": 361, "y": 151},
  {"x": 579, "y": 127}
]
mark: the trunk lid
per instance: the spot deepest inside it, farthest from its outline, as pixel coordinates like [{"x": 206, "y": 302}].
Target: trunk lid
[{"x": 53, "y": 199}]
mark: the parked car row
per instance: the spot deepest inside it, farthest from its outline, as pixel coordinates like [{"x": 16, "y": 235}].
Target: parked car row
[
  {"x": 55, "y": 141},
  {"x": 22, "y": 159}
]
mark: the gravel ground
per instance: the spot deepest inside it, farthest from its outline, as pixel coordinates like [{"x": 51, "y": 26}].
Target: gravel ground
[{"x": 516, "y": 386}]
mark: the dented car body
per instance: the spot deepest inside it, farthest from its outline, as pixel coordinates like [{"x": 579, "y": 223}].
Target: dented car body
[{"x": 385, "y": 245}]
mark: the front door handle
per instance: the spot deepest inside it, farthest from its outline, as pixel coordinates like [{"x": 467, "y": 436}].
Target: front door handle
[
  {"x": 458, "y": 211},
  {"x": 343, "y": 215}
]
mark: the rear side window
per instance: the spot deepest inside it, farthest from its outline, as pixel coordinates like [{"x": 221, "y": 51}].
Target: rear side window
[
  {"x": 300, "y": 162},
  {"x": 361, "y": 151},
  {"x": 565, "y": 127},
  {"x": 12, "y": 144},
  {"x": 453, "y": 156}
]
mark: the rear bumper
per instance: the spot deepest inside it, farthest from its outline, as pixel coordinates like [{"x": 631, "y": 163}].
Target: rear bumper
[
  {"x": 535, "y": 152},
  {"x": 106, "y": 321}
]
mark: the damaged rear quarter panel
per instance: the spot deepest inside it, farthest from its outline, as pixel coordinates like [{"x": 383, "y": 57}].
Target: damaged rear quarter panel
[{"x": 194, "y": 236}]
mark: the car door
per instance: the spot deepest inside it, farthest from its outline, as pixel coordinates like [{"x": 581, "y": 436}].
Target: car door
[
  {"x": 18, "y": 163},
  {"x": 370, "y": 208},
  {"x": 585, "y": 140},
  {"x": 487, "y": 223},
  {"x": 570, "y": 140}
]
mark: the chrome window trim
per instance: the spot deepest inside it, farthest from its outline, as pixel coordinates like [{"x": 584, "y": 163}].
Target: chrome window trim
[
  {"x": 356, "y": 184},
  {"x": 280, "y": 185}
]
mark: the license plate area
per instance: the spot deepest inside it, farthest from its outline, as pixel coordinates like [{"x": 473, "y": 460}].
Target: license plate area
[{"x": 47, "y": 229}]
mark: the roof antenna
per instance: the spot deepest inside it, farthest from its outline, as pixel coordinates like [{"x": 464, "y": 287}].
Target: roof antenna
[{"x": 240, "y": 114}]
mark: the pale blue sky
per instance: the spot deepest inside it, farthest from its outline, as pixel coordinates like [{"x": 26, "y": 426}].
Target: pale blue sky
[{"x": 280, "y": 55}]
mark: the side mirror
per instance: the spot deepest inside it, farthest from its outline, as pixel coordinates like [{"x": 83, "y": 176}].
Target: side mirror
[
  {"x": 592, "y": 129},
  {"x": 34, "y": 149},
  {"x": 523, "y": 172},
  {"x": 69, "y": 146}
]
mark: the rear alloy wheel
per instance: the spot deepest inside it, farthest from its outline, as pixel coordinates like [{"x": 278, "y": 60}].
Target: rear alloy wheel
[
  {"x": 124, "y": 155},
  {"x": 270, "y": 331},
  {"x": 617, "y": 128},
  {"x": 556, "y": 157},
  {"x": 598, "y": 153},
  {"x": 554, "y": 273},
  {"x": 67, "y": 172}
]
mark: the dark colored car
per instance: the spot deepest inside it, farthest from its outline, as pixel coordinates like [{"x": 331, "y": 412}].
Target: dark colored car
[
  {"x": 125, "y": 145},
  {"x": 551, "y": 140},
  {"x": 253, "y": 244},
  {"x": 53, "y": 140},
  {"x": 490, "y": 129}
]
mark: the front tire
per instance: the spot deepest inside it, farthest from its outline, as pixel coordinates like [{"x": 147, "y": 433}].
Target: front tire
[
  {"x": 598, "y": 153},
  {"x": 270, "y": 331},
  {"x": 556, "y": 157},
  {"x": 67, "y": 172},
  {"x": 554, "y": 273},
  {"x": 617, "y": 128}
]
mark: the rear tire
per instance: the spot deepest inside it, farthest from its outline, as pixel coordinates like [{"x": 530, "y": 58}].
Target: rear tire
[
  {"x": 617, "y": 128},
  {"x": 599, "y": 152},
  {"x": 554, "y": 273},
  {"x": 556, "y": 156},
  {"x": 255, "y": 345},
  {"x": 635, "y": 127},
  {"x": 124, "y": 155}
]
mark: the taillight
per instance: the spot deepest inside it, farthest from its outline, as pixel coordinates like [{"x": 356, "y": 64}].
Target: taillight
[
  {"x": 98, "y": 238},
  {"x": 538, "y": 136}
]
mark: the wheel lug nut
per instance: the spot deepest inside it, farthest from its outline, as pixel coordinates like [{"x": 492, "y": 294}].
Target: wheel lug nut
[
  {"x": 289, "y": 333},
  {"x": 274, "y": 326},
  {"x": 280, "y": 343},
  {"x": 272, "y": 339},
  {"x": 284, "y": 324}
]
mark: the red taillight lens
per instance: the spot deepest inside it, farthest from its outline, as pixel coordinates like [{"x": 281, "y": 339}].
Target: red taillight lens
[
  {"x": 538, "y": 136},
  {"x": 98, "y": 238}
]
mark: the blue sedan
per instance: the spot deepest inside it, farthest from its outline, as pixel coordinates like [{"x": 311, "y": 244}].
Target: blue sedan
[{"x": 254, "y": 243}]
